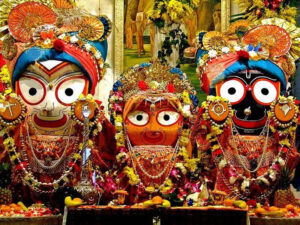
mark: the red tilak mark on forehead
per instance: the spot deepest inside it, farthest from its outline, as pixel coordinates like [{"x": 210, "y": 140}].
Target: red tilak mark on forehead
[{"x": 54, "y": 69}]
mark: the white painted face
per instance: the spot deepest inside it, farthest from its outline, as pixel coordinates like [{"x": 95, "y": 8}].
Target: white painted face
[{"x": 49, "y": 88}]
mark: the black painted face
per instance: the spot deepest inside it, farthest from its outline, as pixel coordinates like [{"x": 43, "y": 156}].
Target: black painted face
[{"x": 250, "y": 93}]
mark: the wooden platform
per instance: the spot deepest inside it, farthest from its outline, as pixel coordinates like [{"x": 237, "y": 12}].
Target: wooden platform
[
  {"x": 44, "y": 220},
  {"x": 145, "y": 216},
  {"x": 274, "y": 221}
]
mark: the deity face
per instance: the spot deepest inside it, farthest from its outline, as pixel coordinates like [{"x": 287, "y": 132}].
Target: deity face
[
  {"x": 49, "y": 88},
  {"x": 251, "y": 94},
  {"x": 149, "y": 125}
]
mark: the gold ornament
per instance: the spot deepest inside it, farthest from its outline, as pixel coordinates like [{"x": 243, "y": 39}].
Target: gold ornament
[
  {"x": 214, "y": 40},
  {"x": 91, "y": 28}
]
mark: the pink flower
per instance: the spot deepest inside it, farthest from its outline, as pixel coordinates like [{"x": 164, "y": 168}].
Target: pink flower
[
  {"x": 118, "y": 107},
  {"x": 174, "y": 173}
]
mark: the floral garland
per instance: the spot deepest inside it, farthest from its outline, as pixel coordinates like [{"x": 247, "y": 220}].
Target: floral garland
[
  {"x": 95, "y": 123},
  {"x": 5, "y": 85},
  {"x": 117, "y": 102},
  {"x": 283, "y": 135},
  {"x": 245, "y": 41},
  {"x": 20, "y": 165}
]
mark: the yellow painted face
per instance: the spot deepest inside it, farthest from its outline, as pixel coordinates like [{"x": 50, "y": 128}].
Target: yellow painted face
[
  {"x": 48, "y": 89},
  {"x": 149, "y": 125}
]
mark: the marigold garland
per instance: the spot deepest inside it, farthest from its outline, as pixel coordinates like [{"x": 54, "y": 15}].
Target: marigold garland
[{"x": 285, "y": 136}]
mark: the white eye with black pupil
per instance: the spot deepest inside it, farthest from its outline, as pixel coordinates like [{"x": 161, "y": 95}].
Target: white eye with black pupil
[
  {"x": 32, "y": 90},
  {"x": 69, "y": 90},
  {"x": 232, "y": 90},
  {"x": 167, "y": 118},
  {"x": 138, "y": 118},
  {"x": 264, "y": 91}
]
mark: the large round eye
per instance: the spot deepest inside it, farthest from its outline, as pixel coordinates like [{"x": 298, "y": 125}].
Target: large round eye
[
  {"x": 167, "y": 118},
  {"x": 265, "y": 91},
  {"x": 233, "y": 90},
  {"x": 138, "y": 118},
  {"x": 69, "y": 90},
  {"x": 32, "y": 90}
]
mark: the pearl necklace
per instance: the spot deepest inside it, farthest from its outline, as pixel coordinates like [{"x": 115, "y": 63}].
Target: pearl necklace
[
  {"x": 153, "y": 177},
  {"x": 263, "y": 154},
  {"x": 35, "y": 183},
  {"x": 42, "y": 165}
]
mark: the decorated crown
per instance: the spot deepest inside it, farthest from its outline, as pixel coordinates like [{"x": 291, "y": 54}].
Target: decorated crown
[
  {"x": 153, "y": 79},
  {"x": 271, "y": 45},
  {"x": 53, "y": 29}
]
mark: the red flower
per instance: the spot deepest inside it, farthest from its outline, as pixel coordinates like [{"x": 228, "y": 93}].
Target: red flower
[
  {"x": 2, "y": 87},
  {"x": 244, "y": 55},
  {"x": 171, "y": 88},
  {"x": 21, "y": 165},
  {"x": 2, "y": 62},
  {"x": 217, "y": 152},
  {"x": 251, "y": 203},
  {"x": 296, "y": 102},
  {"x": 143, "y": 85},
  {"x": 75, "y": 167},
  {"x": 59, "y": 45}
]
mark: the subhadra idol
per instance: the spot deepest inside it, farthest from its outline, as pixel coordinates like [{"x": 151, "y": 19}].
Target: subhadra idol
[
  {"x": 152, "y": 106},
  {"x": 247, "y": 126},
  {"x": 55, "y": 55}
]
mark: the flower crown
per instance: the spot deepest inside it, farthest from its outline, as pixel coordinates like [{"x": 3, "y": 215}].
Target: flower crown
[
  {"x": 153, "y": 79},
  {"x": 31, "y": 26},
  {"x": 264, "y": 40}
]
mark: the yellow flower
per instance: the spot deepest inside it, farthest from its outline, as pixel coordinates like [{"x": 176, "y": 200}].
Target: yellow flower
[
  {"x": 133, "y": 178},
  {"x": 185, "y": 132},
  {"x": 215, "y": 147},
  {"x": 166, "y": 187},
  {"x": 90, "y": 143},
  {"x": 9, "y": 142},
  {"x": 196, "y": 3},
  {"x": 81, "y": 97},
  {"x": 285, "y": 142},
  {"x": 89, "y": 97},
  {"x": 183, "y": 152},
  {"x": 77, "y": 156},
  {"x": 14, "y": 157},
  {"x": 191, "y": 164},
  {"x": 188, "y": 11},
  {"x": 184, "y": 141},
  {"x": 150, "y": 189},
  {"x": 8, "y": 91},
  {"x": 186, "y": 97},
  {"x": 120, "y": 139}
]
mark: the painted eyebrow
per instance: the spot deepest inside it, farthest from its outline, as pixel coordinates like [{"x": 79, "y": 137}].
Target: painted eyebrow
[
  {"x": 66, "y": 75},
  {"x": 32, "y": 74},
  {"x": 265, "y": 77},
  {"x": 236, "y": 76},
  {"x": 252, "y": 81}
]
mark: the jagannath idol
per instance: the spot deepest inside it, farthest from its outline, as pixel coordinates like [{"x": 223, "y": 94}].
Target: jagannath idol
[
  {"x": 246, "y": 128},
  {"x": 152, "y": 106},
  {"x": 55, "y": 55}
]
